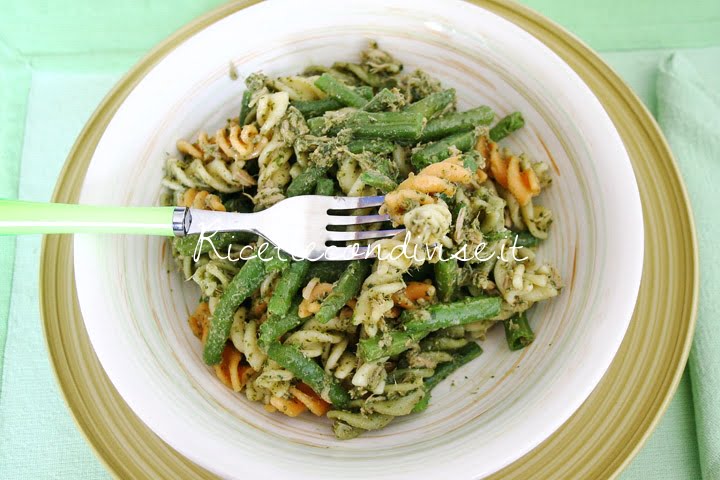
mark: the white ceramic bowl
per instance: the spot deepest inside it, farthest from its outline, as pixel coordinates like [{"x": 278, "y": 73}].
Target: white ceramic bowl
[{"x": 492, "y": 411}]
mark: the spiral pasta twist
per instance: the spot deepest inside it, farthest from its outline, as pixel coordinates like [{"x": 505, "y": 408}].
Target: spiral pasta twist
[
  {"x": 231, "y": 371},
  {"x": 232, "y": 142},
  {"x": 524, "y": 283},
  {"x": 510, "y": 171},
  {"x": 298, "y": 87},
  {"x": 214, "y": 275},
  {"x": 201, "y": 199},
  {"x": 274, "y": 160},
  {"x": 216, "y": 175}
]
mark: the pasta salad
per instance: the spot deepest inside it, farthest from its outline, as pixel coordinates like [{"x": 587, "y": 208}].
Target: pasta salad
[{"x": 364, "y": 341}]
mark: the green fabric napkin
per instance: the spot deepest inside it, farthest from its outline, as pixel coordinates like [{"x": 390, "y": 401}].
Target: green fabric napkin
[
  {"x": 689, "y": 113},
  {"x": 14, "y": 75}
]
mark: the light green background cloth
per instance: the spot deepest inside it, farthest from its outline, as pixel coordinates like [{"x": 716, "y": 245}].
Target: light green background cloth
[
  {"x": 688, "y": 113},
  {"x": 59, "y": 58}
]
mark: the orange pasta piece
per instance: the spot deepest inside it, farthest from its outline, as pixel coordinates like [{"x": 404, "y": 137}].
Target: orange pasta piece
[
  {"x": 310, "y": 399},
  {"x": 289, "y": 406},
  {"x": 412, "y": 293},
  {"x": 230, "y": 361},
  {"x": 531, "y": 181},
  {"x": 450, "y": 169},
  {"x": 427, "y": 184},
  {"x": 516, "y": 183},
  {"x": 199, "y": 320},
  {"x": 499, "y": 169}
]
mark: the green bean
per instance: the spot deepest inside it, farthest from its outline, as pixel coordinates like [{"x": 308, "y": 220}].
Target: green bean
[
  {"x": 316, "y": 108},
  {"x": 220, "y": 240},
  {"x": 382, "y": 125},
  {"x": 278, "y": 325},
  {"x": 371, "y": 145},
  {"x": 419, "y": 323},
  {"x": 446, "y": 273},
  {"x": 371, "y": 349},
  {"x": 457, "y": 122},
  {"x": 346, "y": 288},
  {"x": 518, "y": 332},
  {"x": 506, "y": 126},
  {"x": 327, "y": 272},
  {"x": 276, "y": 261},
  {"x": 432, "y": 104},
  {"x": 307, "y": 370},
  {"x": 286, "y": 288},
  {"x": 244, "y": 107},
  {"x": 304, "y": 184},
  {"x": 247, "y": 280},
  {"x": 463, "y": 356},
  {"x": 339, "y": 91},
  {"x": 378, "y": 180},
  {"x": 325, "y": 187},
  {"x": 440, "y": 150},
  {"x": 444, "y": 315}
]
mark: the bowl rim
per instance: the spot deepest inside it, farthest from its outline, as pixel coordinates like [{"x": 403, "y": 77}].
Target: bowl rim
[{"x": 157, "y": 54}]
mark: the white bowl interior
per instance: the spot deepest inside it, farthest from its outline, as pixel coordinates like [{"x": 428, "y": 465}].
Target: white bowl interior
[{"x": 492, "y": 411}]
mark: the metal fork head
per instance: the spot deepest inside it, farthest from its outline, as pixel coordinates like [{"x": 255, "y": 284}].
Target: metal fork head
[{"x": 301, "y": 226}]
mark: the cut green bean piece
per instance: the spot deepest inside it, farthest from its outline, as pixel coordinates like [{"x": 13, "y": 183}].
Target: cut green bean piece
[
  {"x": 446, "y": 273},
  {"x": 506, "y": 126},
  {"x": 308, "y": 370},
  {"x": 433, "y": 104},
  {"x": 461, "y": 357},
  {"x": 327, "y": 272},
  {"x": 305, "y": 183},
  {"x": 383, "y": 125},
  {"x": 457, "y": 122},
  {"x": 371, "y": 349},
  {"x": 278, "y": 325},
  {"x": 440, "y": 150},
  {"x": 286, "y": 288},
  {"x": 339, "y": 91},
  {"x": 247, "y": 280},
  {"x": 378, "y": 180},
  {"x": 316, "y": 108},
  {"x": 518, "y": 332},
  {"x": 346, "y": 288},
  {"x": 276, "y": 261},
  {"x": 372, "y": 145},
  {"x": 325, "y": 187},
  {"x": 447, "y": 315},
  {"x": 244, "y": 107},
  {"x": 419, "y": 323}
]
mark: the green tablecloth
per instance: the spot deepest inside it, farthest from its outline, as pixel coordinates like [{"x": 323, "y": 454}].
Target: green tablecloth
[{"x": 57, "y": 61}]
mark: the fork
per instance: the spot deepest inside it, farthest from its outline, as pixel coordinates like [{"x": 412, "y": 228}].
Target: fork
[{"x": 300, "y": 225}]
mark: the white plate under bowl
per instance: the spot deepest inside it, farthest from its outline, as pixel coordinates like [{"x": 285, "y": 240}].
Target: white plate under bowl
[{"x": 492, "y": 411}]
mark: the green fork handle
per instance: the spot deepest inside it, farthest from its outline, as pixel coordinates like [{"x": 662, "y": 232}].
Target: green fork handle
[{"x": 20, "y": 217}]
